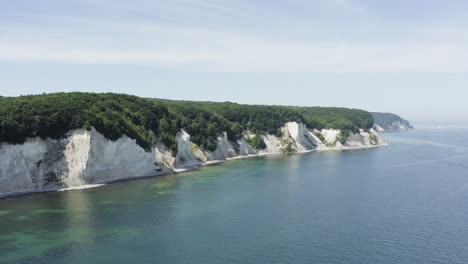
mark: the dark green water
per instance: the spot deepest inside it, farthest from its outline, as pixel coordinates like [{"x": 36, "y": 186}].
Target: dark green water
[{"x": 404, "y": 203}]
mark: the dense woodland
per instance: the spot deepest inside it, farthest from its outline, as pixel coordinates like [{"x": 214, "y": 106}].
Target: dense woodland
[{"x": 150, "y": 120}]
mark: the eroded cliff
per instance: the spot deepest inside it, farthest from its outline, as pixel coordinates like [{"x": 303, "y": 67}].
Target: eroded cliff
[{"x": 85, "y": 157}]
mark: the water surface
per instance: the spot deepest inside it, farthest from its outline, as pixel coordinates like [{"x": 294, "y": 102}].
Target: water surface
[{"x": 404, "y": 203}]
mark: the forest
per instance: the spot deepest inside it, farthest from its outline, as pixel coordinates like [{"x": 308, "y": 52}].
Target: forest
[{"x": 148, "y": 120}]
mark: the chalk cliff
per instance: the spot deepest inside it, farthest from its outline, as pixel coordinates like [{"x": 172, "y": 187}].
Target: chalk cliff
[
  {"x": 86, "y": 157},
  {"x": 83, "y": 157},
  {"x": 390, "y": 122}
]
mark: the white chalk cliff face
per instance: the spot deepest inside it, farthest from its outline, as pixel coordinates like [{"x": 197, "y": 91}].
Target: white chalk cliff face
[
  {"x": 394, "y": 126},
  {"x": 224, "y": 149},
  {"x": 378, "y": 128},
  {"x": 245, "y": 149},
  {"x": 331, "y": 137},
  {"x": 112, "y": 160},
  {"x": 20, "y": 165},
  {"x": 84, "y": 157},
  {"x": 302, "y": 137},
  {"x": 363, "y": 139},
  {"x": 398, "y": 125},
  {"x": 390, "y": 122},
  {"x": 185, "y": 157},
  {"x": 87, "y": 157}
]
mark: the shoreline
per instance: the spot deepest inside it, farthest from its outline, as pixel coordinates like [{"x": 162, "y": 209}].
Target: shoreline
[{"x": 177, "y": 171}]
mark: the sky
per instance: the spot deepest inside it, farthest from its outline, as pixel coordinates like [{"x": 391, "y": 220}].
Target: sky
[{"x": 409, "y": 57}]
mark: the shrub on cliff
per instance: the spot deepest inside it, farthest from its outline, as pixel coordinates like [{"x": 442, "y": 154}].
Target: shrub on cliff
[{"x": 257, "y": 142}]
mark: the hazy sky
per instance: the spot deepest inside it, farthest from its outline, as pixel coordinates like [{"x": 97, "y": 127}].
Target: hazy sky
[{"x": 404, "y": 56}]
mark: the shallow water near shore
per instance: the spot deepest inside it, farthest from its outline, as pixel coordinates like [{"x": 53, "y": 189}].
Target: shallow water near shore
[{"x": 402, "y": 203}]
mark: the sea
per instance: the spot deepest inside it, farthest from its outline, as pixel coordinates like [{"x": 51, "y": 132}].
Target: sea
[{"x": 406, "y": 202}]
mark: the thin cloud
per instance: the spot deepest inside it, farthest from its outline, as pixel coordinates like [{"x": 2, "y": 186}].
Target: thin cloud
[
  {"x": 223, "y": 51},
  {"x": 84, "y": 40},
  {"x": 350, "y": 5}
]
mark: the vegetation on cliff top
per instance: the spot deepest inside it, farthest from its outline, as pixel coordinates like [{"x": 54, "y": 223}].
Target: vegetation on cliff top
[
  {"x": 148, "y": 120},
  {"x": 53, "y": 115}
]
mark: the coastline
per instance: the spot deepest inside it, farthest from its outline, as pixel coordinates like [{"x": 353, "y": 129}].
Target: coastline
[{"x": 177, "y": 171}]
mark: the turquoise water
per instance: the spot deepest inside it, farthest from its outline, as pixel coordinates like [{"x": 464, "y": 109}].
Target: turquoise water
[{"x": 404, "y": 203}]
